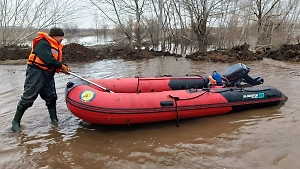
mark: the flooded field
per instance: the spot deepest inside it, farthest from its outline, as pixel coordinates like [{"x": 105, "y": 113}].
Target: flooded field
[{"x": 259, "y": 138}]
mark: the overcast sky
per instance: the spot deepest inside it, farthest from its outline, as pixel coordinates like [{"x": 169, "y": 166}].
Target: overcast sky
[{"x": 86, "y": 19}]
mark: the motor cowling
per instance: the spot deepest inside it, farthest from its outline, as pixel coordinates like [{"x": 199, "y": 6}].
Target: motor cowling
[{"x": 238, "y": 73}]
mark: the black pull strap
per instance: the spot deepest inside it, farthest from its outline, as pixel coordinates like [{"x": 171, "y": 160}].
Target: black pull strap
[{"x": 176, "y": 107}]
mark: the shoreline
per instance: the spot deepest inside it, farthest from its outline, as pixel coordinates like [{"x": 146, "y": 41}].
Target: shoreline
[
  {"x": 79, "y": 53},
  {"x": 14, "y": 62}
]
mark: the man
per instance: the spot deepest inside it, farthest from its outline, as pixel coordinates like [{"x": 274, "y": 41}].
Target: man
[{"x": 44, "y": 61}]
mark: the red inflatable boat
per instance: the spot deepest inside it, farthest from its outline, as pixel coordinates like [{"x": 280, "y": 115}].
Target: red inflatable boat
[{"x": 151, "y": 99}]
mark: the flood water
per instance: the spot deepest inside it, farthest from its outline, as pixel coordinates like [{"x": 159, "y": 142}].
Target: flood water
[{"x": 259, "y": 138}]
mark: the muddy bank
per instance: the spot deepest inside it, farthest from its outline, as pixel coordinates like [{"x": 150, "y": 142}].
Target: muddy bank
[
  {"x": 242, "y": 53},
  {"x": 238, "y": 53},
  {"x": 78, "y": 53},
  {"x": 285, "y": 53}
]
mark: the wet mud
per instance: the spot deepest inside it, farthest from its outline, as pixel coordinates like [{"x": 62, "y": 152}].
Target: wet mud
[{"x": 78, "y": 53}]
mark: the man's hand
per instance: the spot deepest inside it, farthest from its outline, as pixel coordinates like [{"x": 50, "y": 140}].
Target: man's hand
[
  {"x": 212, "y": 81},
  {"x": 65, "y": 69}
]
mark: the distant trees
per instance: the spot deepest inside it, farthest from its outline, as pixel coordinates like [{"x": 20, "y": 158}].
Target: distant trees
[
  {"x": 173, "y": 25},
  {"x": 270, "y": 15},
  {"x": 126, "y": 15},
  {"x": 22, "y": 18},
  {"x": 167, "y": 25}
]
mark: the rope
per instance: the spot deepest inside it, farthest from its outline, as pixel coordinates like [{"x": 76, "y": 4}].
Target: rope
[
  {"x": 177, "y": 118},
  {"x": 176, "y": 106},
  {"x": 176, "y": 98},
  {"x": 137, "y": 87}
]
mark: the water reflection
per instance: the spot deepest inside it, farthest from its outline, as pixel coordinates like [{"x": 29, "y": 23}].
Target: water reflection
[{"x": 89, "y": 40}]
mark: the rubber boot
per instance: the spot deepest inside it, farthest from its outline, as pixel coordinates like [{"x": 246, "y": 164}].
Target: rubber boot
[
  {"x": 53, "y": 115},
  {"x": 16, "y": 127}
]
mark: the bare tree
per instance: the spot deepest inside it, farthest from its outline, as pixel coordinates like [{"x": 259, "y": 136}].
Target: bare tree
[
  {"x": 200, "y": 23},
  {"x": 153, "y": 30},
  {"x": 96, "y": 24},
  {"x": 22, "y": 18},
  {"x": 288, "y": 31},
  {"x": 123, "y": 13},
  {"x": 227, "y": 25},
  {"x": 202, "y": 14},
  {"x": 270, "y": 14},
  {"x": 183, "y": 37},
  {"x": 159, "y": 8}
]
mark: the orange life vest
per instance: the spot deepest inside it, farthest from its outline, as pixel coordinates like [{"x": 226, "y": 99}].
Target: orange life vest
[{"x": 56, "y": 50}]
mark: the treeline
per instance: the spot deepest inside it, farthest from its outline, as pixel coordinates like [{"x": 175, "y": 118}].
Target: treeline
[{"x": 178, "y": 26}]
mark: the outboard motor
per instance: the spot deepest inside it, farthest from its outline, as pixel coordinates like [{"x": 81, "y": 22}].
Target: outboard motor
[{"x": 238, "y": 73}]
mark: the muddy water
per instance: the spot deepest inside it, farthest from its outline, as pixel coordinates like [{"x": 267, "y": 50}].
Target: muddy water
[{"x": 261, "y": 138}]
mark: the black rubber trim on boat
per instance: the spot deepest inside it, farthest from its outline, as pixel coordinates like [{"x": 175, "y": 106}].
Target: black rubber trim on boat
[
  {"x": 166, "y": 103},
  {"x": 177, "y": 84}
]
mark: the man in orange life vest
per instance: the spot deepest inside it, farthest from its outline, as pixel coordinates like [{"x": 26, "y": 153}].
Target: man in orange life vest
[{"x": 44, "y": 61}]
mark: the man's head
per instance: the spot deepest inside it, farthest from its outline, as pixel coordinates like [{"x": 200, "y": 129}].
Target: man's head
[{"x": 57, "y": 34}]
